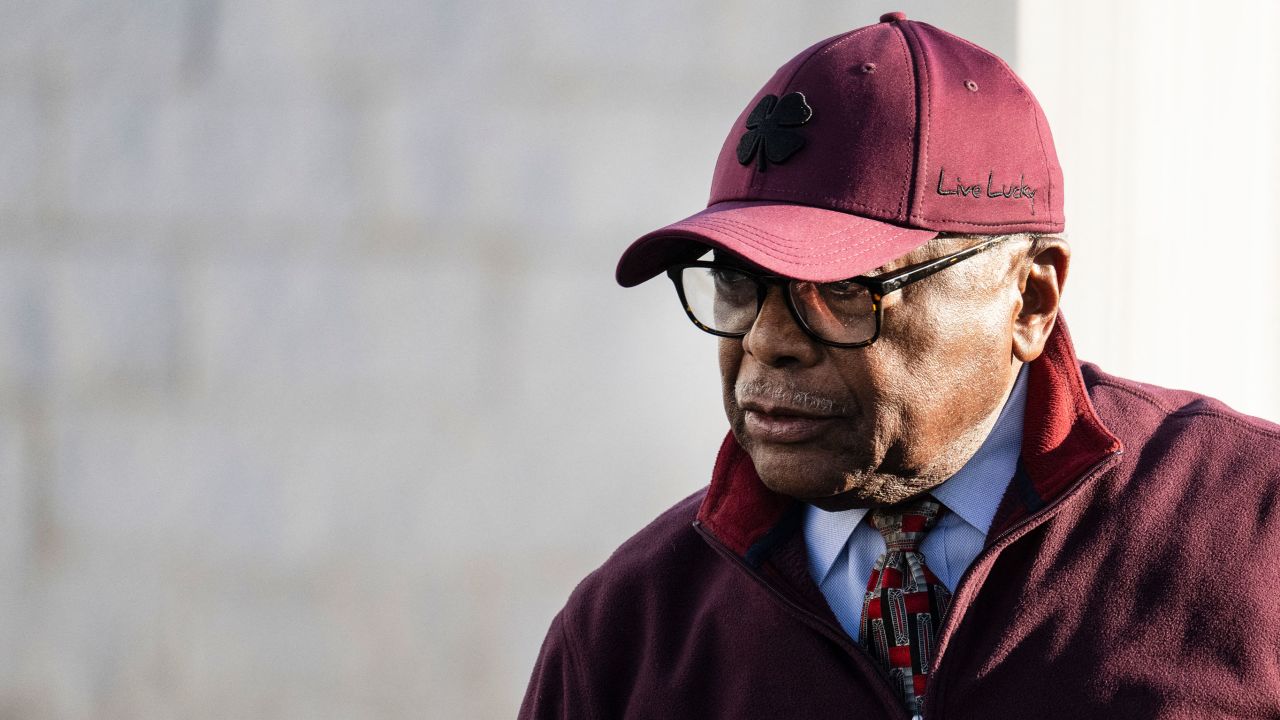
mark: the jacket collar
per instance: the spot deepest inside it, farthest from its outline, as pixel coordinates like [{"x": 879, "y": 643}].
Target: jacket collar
[{"x": 1062, "y": 437}]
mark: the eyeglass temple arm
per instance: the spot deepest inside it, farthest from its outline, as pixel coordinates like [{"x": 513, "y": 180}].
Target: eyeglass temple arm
[{"x": 914, "y": 273}]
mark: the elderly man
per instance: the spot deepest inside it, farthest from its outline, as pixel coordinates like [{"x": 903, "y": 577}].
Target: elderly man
[{"x": 926, "y": 506}]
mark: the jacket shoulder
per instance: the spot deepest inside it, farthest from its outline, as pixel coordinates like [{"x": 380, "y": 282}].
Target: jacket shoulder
[
  {"x": 1182, "y": 433},
  {"x": 655, "y": 552},
  {"x": 609, "y": 629},
  {"x": 1129, "y": 402}
]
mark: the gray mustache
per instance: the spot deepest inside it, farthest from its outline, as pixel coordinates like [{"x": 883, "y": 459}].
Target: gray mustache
[{"x": 788, "y": 395}]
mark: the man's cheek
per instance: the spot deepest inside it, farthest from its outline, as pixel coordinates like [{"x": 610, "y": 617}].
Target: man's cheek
[{"x": 730, "y": 363}]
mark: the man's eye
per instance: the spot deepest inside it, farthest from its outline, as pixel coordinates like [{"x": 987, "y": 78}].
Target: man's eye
[
  {"x": 842, "y": 287},
  {"x": 728, "y": 277}
]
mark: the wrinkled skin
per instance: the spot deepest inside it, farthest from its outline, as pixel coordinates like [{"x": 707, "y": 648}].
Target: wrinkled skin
[{"x": 902, "y": 415}]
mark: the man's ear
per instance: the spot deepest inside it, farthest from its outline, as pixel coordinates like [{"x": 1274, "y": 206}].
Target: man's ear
[{"x": 1041, "y": 284}]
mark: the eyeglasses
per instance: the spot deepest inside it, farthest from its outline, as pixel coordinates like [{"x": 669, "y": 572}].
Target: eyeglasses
[{"x": 725, "y": 300}]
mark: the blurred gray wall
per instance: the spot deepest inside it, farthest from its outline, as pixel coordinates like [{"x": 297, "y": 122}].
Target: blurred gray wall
[{"x": 316, "y": 394}]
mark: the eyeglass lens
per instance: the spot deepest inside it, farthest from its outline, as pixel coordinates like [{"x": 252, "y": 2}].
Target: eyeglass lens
[{"x": 727, "y": 301}]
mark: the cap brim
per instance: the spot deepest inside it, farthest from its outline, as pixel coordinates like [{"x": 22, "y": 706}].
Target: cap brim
[{"x": 796, "y": 241}]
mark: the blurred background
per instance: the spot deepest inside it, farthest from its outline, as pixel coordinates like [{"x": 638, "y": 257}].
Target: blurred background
[{"x": 317, "y": 396}]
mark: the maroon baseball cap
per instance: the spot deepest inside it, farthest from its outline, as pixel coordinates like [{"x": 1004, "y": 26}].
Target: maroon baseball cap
[{"x": 865, "y": 147}]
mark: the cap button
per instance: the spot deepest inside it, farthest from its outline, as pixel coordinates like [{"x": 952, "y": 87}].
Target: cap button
[{"x": 893, "y": 16}]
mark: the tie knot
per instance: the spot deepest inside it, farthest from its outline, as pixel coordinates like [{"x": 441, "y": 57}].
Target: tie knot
[{"x": 904, "y": 525}]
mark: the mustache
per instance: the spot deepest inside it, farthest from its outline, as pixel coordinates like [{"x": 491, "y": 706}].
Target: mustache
[{"x": 790, "y": 396}]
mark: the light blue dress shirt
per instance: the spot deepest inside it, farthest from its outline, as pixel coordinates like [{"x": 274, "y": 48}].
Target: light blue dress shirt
[{"x": 843, "y": 548}]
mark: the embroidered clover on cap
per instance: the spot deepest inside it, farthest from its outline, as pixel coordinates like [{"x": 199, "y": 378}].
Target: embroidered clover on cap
[
  {"x": 767, "y": 129},
  {"x": 833, "y": 169}
]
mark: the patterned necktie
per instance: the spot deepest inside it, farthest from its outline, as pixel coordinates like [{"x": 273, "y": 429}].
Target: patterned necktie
[{"x": 905, "y": 603}]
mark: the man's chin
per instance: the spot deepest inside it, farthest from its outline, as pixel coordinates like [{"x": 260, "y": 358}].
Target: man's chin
[
  {"x": 807, "y": 477},
  {"x": 795, "y": 472},
  {"x": 875, "y": 490}
]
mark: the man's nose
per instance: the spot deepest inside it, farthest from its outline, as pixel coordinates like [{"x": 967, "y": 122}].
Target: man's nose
[{"x": 776, "y": 338}]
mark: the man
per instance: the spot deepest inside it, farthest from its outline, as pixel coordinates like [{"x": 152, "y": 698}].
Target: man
[{"x": 926, "y": 506}]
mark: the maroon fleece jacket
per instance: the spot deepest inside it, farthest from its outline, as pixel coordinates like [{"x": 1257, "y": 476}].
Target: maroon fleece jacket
[{"x": 1132, "y": 571}]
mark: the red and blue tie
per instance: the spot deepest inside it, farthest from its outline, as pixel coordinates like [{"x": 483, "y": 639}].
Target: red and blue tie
[{"x": 905, "y": 603}]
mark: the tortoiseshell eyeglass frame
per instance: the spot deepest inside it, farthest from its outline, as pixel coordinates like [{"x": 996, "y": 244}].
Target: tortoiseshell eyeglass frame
[{"x": 878, "y": 286}]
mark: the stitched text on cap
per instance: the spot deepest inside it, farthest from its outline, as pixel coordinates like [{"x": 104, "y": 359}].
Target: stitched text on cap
[{"x": 964, "y": 188}]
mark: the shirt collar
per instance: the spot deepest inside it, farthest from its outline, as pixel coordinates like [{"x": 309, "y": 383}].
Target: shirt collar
[
  {"x": 826, "y": 534},
  {"x": 973, "y": 493}
]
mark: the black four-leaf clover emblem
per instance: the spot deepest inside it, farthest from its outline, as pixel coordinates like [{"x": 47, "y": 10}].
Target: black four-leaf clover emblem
[{"x": 768, "y": 135}]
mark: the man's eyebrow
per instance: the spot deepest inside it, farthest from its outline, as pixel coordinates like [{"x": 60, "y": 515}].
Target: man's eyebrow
[{"x": 728, "y": 258}]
